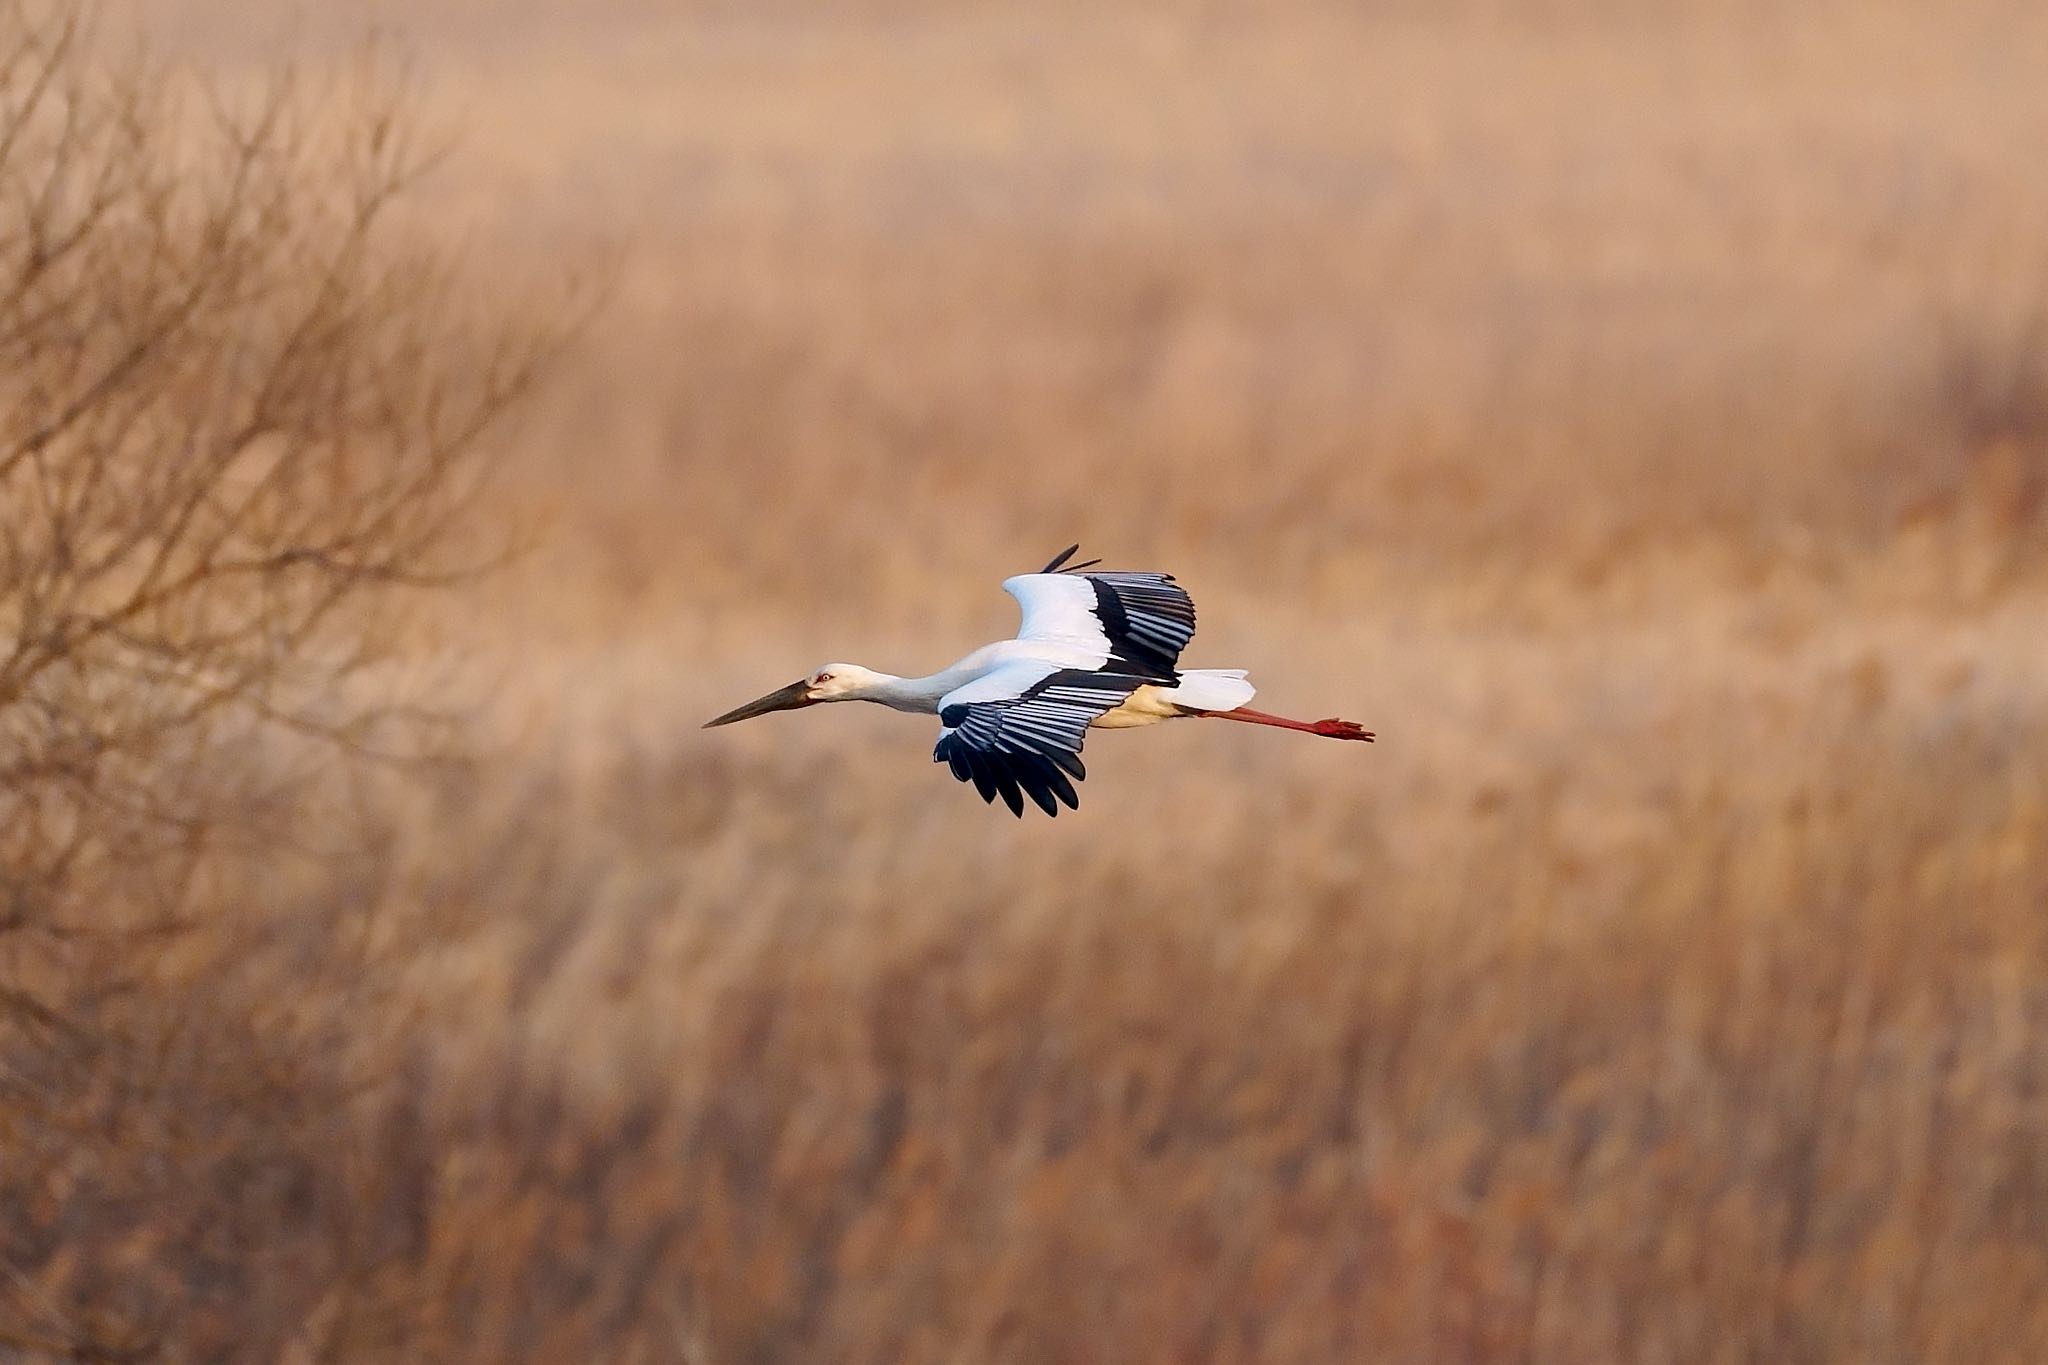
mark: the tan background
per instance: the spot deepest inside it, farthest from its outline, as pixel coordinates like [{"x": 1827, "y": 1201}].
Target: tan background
[{"x": 1636, "y": 413}]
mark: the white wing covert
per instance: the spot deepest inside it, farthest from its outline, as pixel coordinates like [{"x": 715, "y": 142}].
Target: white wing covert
[{"x": 1140, "y": 621}]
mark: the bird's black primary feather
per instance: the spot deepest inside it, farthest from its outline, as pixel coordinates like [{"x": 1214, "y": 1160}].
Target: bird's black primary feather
[
  {"x": 1147, "y": 618},
  {"x": 1029, "y": 745},
  {"x": 1064, "y": 555}
]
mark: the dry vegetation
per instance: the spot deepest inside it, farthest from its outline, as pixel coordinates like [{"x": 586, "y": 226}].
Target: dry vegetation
[{"x": 1639, "y": 415}]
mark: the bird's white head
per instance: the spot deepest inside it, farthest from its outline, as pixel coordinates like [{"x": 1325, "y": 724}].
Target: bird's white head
[
  {"x": 843, "y": 682},
  {"x": 830, "y": 682}
]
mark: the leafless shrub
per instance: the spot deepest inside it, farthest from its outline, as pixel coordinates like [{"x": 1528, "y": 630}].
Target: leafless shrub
[
  {"x": 241, "y": 414},
  {"x": 233, "y": 416}
]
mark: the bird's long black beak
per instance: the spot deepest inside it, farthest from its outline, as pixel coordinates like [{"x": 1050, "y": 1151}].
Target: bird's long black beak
[{"x": 781, "y": 699}]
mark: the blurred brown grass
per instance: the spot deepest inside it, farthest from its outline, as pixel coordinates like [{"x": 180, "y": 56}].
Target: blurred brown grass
[{"x": 1640, "y": 417}]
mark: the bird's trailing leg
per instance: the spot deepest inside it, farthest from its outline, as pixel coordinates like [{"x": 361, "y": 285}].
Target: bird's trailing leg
[{"x": 1329, "y": 729}]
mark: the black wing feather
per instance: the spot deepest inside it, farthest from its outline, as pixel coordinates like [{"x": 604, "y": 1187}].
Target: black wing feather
[
  {"x": 1148, "y": 618},
  {"x": 1005, "y": 776},
  {"x": 1051, "y": 787},
  {"x": 984, "y": 780},
  {"x": 1064, "y": 555},
  {"x": 1029, "y": 745}
]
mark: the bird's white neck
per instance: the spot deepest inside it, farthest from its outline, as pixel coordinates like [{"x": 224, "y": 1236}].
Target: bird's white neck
[{"x": 917, "y": 695}]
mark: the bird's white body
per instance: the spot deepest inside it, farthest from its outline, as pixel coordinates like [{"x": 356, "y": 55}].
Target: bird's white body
[
  {"x": 1007, "y": 668},
  {"x": 1199, "y": 689},
  {"x": 1098, "y": 651}
]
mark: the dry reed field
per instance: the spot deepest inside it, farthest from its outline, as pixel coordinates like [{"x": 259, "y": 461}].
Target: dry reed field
[{"x": 1638, "y": 414}]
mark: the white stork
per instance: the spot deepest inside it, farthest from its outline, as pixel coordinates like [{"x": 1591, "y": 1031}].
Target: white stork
[{"x": 1095, "y": 649}]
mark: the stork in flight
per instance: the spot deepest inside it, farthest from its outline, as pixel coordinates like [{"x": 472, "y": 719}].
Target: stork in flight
[{"x": 1095, "y": 649}]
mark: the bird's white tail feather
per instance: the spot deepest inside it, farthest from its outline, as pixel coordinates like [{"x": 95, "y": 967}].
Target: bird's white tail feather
[{"x": 1212, "y": 689}]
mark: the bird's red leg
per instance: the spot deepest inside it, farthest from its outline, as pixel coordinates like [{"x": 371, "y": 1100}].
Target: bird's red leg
[{"x": 1330, "y": 729}]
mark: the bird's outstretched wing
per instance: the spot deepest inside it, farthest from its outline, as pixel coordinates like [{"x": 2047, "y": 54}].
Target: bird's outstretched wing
[
  {"x": 1017, "y": 730},
  {"x": 1139, "y": 621}
]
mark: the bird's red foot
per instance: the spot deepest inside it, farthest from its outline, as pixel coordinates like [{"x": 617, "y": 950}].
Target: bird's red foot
[{"x": 1342, "y": 729}]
